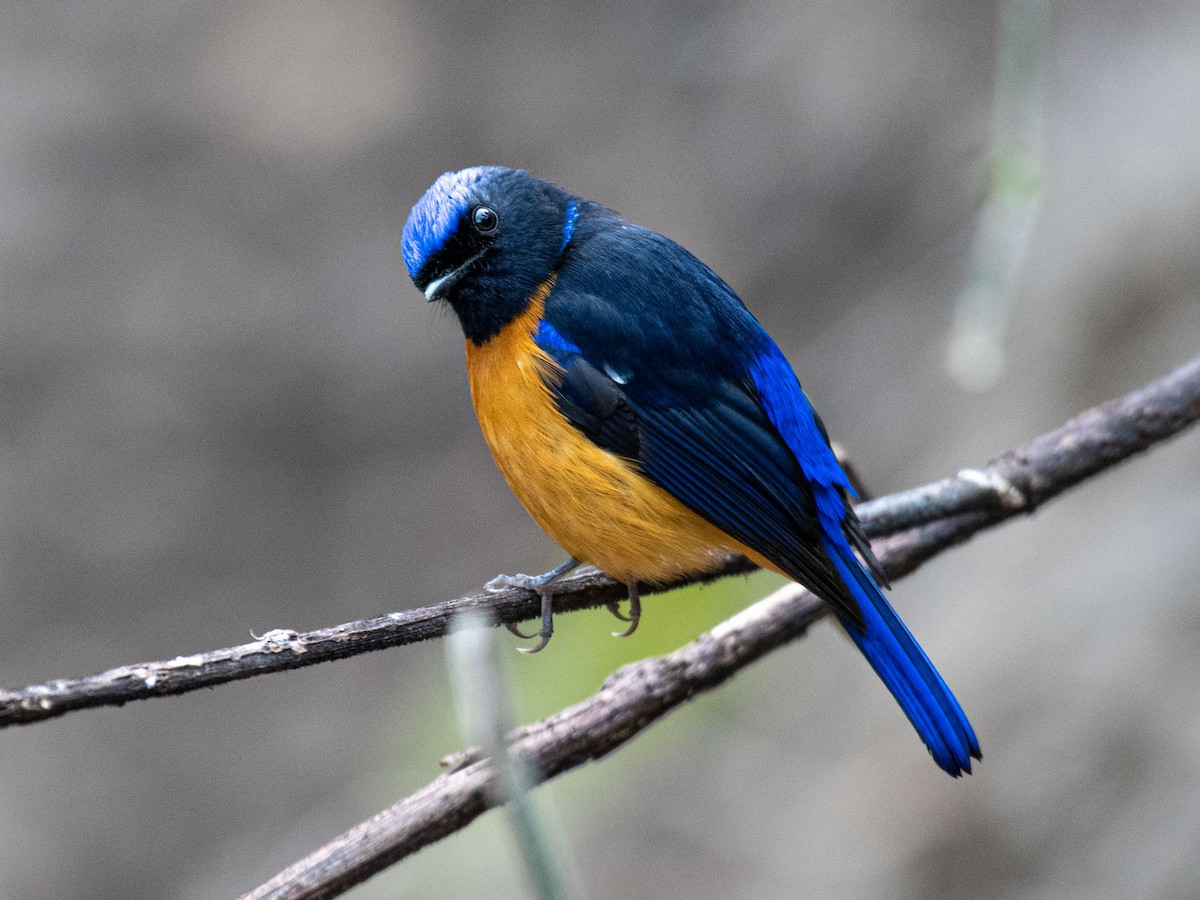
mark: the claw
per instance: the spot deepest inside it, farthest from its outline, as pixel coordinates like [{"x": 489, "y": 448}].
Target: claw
[
  {"x": 635, "y": 611},
  {"x": 542, "y": 585},
  {"x": 513, "y": 629},
  {"x": 547, "y": 596},
  {"x": 615, "y": 609},
  {"x": 545, "y": 639},
  {"x": 499, "y": 584}
]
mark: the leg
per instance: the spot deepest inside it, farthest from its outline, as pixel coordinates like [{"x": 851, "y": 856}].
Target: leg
[
  {"x": 635, "y": 611},
  {"x": 543, "y": 586}
]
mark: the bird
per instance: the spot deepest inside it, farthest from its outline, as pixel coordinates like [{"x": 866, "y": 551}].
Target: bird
[{"x": 647, "y": 421}]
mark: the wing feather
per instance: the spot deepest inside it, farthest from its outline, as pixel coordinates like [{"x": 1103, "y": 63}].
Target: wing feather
[{"x": 721, "y": 457}]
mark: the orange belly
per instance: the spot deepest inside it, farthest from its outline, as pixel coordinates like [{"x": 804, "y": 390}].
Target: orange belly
[{"x": 595, "y": 504}]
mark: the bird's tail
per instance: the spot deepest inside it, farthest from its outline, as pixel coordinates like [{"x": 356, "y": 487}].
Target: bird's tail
[{"x": 900, "y": 662}]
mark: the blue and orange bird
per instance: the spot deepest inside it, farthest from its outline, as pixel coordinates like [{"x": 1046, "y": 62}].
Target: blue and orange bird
[{"x": 647, "y": 421}]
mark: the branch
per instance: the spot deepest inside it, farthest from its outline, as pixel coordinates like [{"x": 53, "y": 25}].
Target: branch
[
  {"x": 1017, "y": 482},
  {"x": 629, "y": 701},
  {"x": 641, "y": 693}
]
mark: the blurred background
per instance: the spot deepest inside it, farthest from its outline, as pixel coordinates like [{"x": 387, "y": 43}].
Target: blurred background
[{"x": 225, "y": 409}]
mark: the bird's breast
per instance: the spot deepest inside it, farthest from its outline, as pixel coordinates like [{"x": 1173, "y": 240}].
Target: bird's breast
[{"x": 598, "y": 506}]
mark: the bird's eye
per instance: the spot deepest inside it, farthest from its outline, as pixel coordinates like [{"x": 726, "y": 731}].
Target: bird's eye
[{"x": 484, "y": 219}]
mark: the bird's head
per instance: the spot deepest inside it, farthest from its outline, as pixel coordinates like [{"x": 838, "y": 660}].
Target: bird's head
[{"x": 484, "y": 239}]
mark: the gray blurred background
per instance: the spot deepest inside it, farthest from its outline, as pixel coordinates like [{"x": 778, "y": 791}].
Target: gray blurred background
[{"x": 224, "y": 408}]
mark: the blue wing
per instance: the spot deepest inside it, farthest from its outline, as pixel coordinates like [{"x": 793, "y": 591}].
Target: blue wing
[
  {"x": 882, "y": 637},
  {"x": 663, "y": 365}
]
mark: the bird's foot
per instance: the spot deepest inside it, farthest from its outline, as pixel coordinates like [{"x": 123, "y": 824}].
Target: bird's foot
[
  {"x": 543, "y": 586},
  {"x": 635, "y": 611}
]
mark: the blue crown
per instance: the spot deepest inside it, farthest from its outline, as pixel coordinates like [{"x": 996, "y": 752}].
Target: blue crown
[{"x": 436, "y": 216}]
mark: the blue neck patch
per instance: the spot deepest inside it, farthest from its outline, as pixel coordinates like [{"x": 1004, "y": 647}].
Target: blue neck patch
[
  {"x": 569, "y": 225},
  {"x": 436, "y": 216}
]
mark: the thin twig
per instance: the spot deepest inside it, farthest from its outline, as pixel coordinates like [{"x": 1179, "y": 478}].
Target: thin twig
[
  {"x": 1019, "y": 481},
  {"x": 640, "y": 693},
  {"x": 483, "y": 697}
]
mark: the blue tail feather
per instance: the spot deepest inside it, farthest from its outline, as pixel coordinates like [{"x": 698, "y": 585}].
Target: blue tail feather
[{"x": 902, "y": 665}]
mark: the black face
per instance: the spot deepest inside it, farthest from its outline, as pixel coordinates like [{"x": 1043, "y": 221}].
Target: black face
[{"x": 484, "y": 239}]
